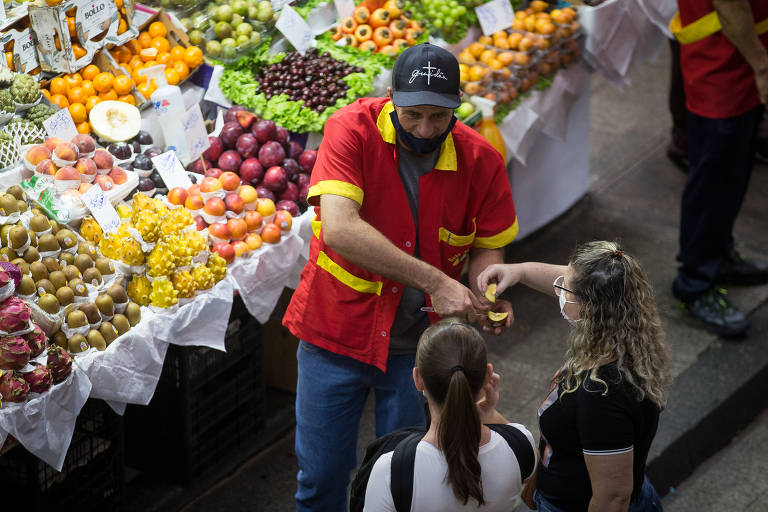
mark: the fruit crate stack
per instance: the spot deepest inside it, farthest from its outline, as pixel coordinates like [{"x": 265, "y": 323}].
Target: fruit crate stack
[
  {"x": 92, "y": 478},
  {"x": 208, "y": 402}
]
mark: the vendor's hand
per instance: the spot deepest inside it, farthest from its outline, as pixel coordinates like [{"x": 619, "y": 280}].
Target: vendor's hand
[
  {"x": 451, "y": 298},
  {"x": 503, "y": 275},
  {"x": 500, "y": 306},
  {"x": 486, "y": 406}
]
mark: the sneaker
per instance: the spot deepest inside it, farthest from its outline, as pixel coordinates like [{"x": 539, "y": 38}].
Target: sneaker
[
  {"x": 716, "y": 314},
  {"x": 738, "y": 270},
  {"x": 678, "y": 156}
]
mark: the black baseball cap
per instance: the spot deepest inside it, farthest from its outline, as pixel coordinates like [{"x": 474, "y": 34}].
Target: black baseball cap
[{"x": 426, "y": 74}]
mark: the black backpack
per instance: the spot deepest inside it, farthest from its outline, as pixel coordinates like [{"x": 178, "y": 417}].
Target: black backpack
[{"x": 403, "y": 442}]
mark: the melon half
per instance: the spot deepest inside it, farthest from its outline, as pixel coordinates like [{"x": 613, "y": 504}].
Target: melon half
[{"x": 115, "y": 121}]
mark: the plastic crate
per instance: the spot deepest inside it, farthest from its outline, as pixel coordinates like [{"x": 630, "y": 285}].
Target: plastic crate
[
  {"x": 207, "y": 403},
  {"x": 92, "y": 478}
]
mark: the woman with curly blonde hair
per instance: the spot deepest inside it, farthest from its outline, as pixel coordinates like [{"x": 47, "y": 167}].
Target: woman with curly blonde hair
[{"x": 601, "y": 414}]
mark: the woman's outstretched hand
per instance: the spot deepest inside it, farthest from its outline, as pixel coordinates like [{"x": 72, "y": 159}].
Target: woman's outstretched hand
[{"x": 503, "y": 275}]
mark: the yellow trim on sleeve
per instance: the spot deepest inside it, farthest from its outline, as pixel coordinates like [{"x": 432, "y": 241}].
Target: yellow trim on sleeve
[
  {"x": 384, "y": 124},
  {"x": 456, "y": 240},
  {"x": 703, "y": 27},
  {"x": 351, "y": 280},
  {"x": 316, "y": 227},
  {"x": 498, "y": 240},
  {"x": 337, "y": 188}
]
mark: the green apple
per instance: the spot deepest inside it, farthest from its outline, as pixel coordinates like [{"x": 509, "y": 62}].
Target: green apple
[
  {"x": 240, "y": 7},
  {"x": 213, "y": 48},
  {"x": 196, "y": 37},
  {"x": 224, "y": 13},
  {"x": 465, "y": 109},
  {"x": 244, "y": 29},
  {"x": 223, "y": 30}
]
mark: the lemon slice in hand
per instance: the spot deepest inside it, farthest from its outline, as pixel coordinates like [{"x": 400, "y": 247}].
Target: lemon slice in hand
[
  {"x": 490, "y": 292},
  {"x": 497, "y": 317}
]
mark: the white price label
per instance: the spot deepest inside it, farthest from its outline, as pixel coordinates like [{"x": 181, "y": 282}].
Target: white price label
[
  {"x": 295, "y": 29},
  {"x": 344, "y": 8},
  {"x": 60, "y": 125},
  {"x": 171, "y": 170},
  {"x": 101, "y": 209},
  {"x": 495, "y": 15},
  {"x": 195, "y": 132}
]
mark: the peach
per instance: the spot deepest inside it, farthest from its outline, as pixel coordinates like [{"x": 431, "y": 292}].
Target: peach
[
  {"x": 194, "y": 190},
  {"x": 86, "y": 166},
  {"x": 215, "y": 206},
  {"x": 103, "y": 159},
  {"x": 193, "y": 202},
  {"x": 37, "y": 154},
  {"x": 283, "y": 219},
  {"x": 66, "y": 151},
  {"x": 253, "y": 220},
  {"x": 83, "y": 188},
  {"x": 229, "y": 181},
  {"x": 177, "y": 195},
  {"x": 226, "y": 251},
  {"x": 253, "y": 241},
  {"x": 234, "y": 203},
  {"x": 52, "y": 142},
  {"x": 46, "y": 167},
  {"x": 210, "y": 184},
  {"x": 271, "y": 233},
  {"x": 237, "y": 228},
  {"x": 240, "y": 247},
  {"x": 118, "y": 175},
  {"x": 105, "y": 182},
  {"x": 265, "y": 206},
  {"x": 248, "y": 193},
  {"x": 219, "y": 230},
  {"x": 84, "y": 143},
  {"x": 67, "y": 173}
]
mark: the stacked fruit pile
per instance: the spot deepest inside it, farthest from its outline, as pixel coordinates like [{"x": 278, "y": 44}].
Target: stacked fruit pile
[
  {"x": 78, "y": 45},
  {"x": 384, "y": 30},
  {"x": 448, "y": 19}
]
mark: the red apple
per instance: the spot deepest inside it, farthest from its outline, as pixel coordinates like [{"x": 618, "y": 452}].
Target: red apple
[
  {"x": 193, "y": 202},
  {"x": 215, "y": 149},
  {"x": 219, "y": 230},
  {"x": 200, "y": 223},
  {"x": 177, "y": 195},
  {"x": 290, "y": 193},
  {"x": 271, "y": 154},
  {"x": 264, "y": 130},
  {"x": 230, "y": 161},
  {"x": 215, "y": 206},
  {"x": 229, "y": 181},
  {"x": 307, "y": 160},
  {"x": 275, "y": 179},
  {"x": 240, "y": 248},
  {"x": 230, "y": 132},
  {"x": 226, "y": 251},
  {"x": 213, "y": 172},
  {"x": 234, "y": 203},
  {"x": 237, "y": 228},
  {"x": 253, "y": 220},
  {"x": 251, "y": 171}
]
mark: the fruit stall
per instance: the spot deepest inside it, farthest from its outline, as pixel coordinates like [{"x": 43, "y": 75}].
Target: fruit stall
[{"x": 154, "y": 166}]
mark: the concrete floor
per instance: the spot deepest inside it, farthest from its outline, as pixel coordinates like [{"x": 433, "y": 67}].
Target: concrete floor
[{"x": 634, "y": 196}]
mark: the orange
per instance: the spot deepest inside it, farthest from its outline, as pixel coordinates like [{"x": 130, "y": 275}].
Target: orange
[
  {"x": 84, "y": 127},
  {"x": 60, "y": 100},
  {"x": 145, "y": 40},
  {"x": 47, "y": 93},
  {"x": 71, "y": 26},
  {"x": 134, "y": 46},
  {"x": 128, "y": 98},
  {"x": 73, "y": 80},
  {"x": 91, "y": 102},
  {"x": 87, "y": 86},
  {"x": 182, "y": 69},
  {"x": 103, "y": 81},
  {"x": 109, "y": 95},
  {"x": 146, "y": 89},
  {"x": 148, "y": 54},
  {"x": 122, "y": 54},
  {"x": 193, "y": 57},
  {"x": 123, "y": 85},
  {"x": 90, "y": 71},
  {"x": 78, "y": 112},
  {"x": 78, "y": 51},
  {"x": 161, "y": 44},
  {"x": 135, "y": 61},
  {"x": 76, "y": 95},
  {"x": 171, "y": 76},
  {"x": 157, "y": 29},
  {"x": 59, "y": 86},
  {"x": 138, "y": 78},
  {"x": 163, "y": 58},
  {"x": 177, "y": 53},
  {"x": 122, "y": 26}
]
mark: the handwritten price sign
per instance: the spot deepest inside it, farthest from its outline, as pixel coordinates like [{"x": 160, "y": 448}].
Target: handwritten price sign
[
  {"x": 171, "y": 170},
  {"x": 195, "y": 132},
  {"x": 495, "y": 15},
  {"x": 295, "y": 29},
  {"x": 60, "y": 125},
  {"x": 101, "y": 209}
]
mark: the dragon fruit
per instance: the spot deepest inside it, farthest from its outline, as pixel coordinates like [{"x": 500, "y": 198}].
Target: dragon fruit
[
  {"x": 40, "y": 379},
  {"x": 37, "y": 341},
  {"x": 14, "y": 315},
  {"x": 14, "y": 353},
  {"x": 59, "y": 362},
  {"x": 12, "y": 270},
  {"x": 4, "y": 278},
  {"x": 13, "y": 387}
]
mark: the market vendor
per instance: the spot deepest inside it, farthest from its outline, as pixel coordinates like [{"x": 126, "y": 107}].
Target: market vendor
[{"x": 406, "y": 195}]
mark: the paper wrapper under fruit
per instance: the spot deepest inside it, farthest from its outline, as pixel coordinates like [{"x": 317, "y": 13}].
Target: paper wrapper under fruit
[{"x": 44, "y": 424}]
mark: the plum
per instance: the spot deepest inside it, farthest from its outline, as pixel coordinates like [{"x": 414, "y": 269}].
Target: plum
[
  {"x": 199, "y": 166},
  {"x": 271, "y": 154},
  {"x": 231, "y": 114},
  {"x": 251, "y": 171},
  {"x": 302, "y": 180},
  {"x": 291, "y": 167},
  {"x": 307, "y": 160},
  {"x": 275, "y": 178},
  {"x": 215, "y": 149},
  {"x": 265, "y": 192},
  {"x": 264, "y": 130},
  {"x": 230, "y": 132},
  {"x": 142, "y": 162},
  {"x": 230, "y": 161},
  {"x": 290, "y": 206},
  {"x": 290, "y": 193},
  {"x": 294, "y": 150},
  {"x": 247, "y": 145}
]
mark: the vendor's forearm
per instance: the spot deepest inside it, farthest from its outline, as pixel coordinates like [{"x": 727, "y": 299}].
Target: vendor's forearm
[
  {"x": 540, "y": 276},
  {"x": 738, "y": 26}
]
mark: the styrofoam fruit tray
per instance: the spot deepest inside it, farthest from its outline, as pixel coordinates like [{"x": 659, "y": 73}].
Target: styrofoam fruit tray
[{"x": 117, "y": 194}]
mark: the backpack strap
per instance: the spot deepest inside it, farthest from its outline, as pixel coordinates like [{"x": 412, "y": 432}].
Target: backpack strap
[
  {"x": 521, "y": 447},
  {"x": 401, "y": 472}
]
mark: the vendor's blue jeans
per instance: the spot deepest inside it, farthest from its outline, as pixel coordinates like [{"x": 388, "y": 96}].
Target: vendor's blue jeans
[
  {"x": 330, "y": 396},
  {"x": 647, "y": 501}
]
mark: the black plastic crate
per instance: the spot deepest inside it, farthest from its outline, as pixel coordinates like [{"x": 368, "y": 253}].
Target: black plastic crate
[
  {"x": 206, "y": 404},
  {"x": 92, "y": 478}
]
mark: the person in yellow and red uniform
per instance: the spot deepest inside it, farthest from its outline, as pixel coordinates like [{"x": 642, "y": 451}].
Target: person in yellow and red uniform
[
  {"x": 407, "y": 195},
  {"x": 725, "y": 72}
]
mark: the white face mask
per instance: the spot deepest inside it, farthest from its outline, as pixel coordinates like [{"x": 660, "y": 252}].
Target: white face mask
[{"x": 559, "y": 286}]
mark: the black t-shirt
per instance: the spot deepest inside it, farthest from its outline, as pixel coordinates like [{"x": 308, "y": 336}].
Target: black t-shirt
[{"x": 589, "y": 422}]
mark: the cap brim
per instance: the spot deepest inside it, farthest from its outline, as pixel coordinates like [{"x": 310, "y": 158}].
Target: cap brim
[{"x": 415, "y": 98}]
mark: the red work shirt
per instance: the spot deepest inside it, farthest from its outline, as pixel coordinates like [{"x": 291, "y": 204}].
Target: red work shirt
[
  {"x": 464, "y": 202},
  {"x": 719, "y": 83}
]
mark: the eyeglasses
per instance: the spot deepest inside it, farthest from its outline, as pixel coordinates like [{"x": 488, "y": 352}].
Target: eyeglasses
[{"x": 560, "y": 288}]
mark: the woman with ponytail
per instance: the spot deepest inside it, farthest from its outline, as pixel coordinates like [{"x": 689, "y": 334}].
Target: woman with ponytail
[{"x": 460, "y": 464}]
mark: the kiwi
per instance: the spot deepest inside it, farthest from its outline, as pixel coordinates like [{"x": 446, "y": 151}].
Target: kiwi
[
  {"x": 132, "y": 313},
  {"x": 51, "y": 264},
  {"x": 105, "y": 304},
  {"x": 91, "y": 312},
  {"x": 66, "y": 258},
  {"x": 65, "y": 295},
  {"x": 45, "y": 286},
  {"x": 77, "y": 343},
  {"x": 86, "y": 248},
  {"x": 96, "y": 340},
  {"x": 31, "y": 255},
  {"x": 4, "y": 230},
  {"x": 23, "y": 265},
  {"x": 21, "y": 206},
  {"x": 93, "y": 276},
  {"x": 48, "y": 243},
  {"x": 60, "y": 339},
  {"x": 16, "y": 191},
  {"x": 83, "y": 261},
  {"x": 105, "y": 266},
  {"x": 66, "y": 238},
  {"x": 78, "y": 286},
  {"x": 117, "y": 292},
  {"x": 108, "y": 331},
  {"x": 32, "y": 238},
  {"x": 121, "y": 324},
  {"x": 38, "y": 271},
  {"x": 76, "y": 318},
  {"x": 8, "y": 254},
  {"x": 39, "y": 223},
  {"x": 57, "y": 278},
  {"x": 26, "y": 286},
  {"x": 72, "y": 272},
  {"x": 8, "y": 204},
  {"x": 54, "y": 226},
  {"x": 49, "y": 303},
  {"x": 17, "y": 237}
]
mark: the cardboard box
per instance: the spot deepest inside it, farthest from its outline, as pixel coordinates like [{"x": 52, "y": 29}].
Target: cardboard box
[{"x": 19, "y": 44}]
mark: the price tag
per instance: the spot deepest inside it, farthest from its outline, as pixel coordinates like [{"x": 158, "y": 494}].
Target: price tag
[
  {"x": 295, "y": 29},
  {"x": 213, "y": 93},
  {"x": 60, "y": 125},
  {"x": 101, "y": 209},
  {"x": 171, "y": 170},
  {"x": 495, "y": 15},
  {"x": 195, "y": 132},
  {"x": 344, "y": 8}
]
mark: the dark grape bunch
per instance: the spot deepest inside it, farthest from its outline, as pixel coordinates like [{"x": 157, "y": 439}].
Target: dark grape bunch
[{"x": 313, "y": 78}]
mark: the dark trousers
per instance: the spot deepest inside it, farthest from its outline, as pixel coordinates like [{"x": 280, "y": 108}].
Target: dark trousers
[
  {"x": 720, "y": 153},
  {"x": 677, "y": 99}
]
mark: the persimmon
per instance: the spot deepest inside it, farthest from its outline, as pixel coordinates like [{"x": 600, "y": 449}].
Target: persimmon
[
  {"x": 348, "y": 25},
  {"x": 397, "y": 28},
  {"x": 361, "y": 14},
  {"x": 382, "y": 36},
  {"x": 368, "y": 46},
  {"x": 363, "y": 32}
]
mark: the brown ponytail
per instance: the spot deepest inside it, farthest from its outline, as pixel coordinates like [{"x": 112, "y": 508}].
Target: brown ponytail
[{"x": 452, "y": 362}]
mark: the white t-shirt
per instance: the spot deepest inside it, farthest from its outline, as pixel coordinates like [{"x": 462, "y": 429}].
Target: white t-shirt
[{"x": 501, "y": 477}]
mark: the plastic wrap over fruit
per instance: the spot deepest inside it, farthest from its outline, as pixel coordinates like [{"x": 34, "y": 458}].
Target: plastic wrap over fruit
[
  {"x": 163, "y": 294},
  {"x": 40, "y": 379},
  {"x": 184, "y": 284},
  {"x": 13, "y": 387},
  {"x": 203, "y": 277},
  {"x": 37, "y": 341},
  {"x": 14, "y": 315},
  {"x": 218, "y": 266},
  {"x": 59, "y": 362},
  {"x": 14, "y": 353},
  {"x": 90, "y": 230},
  {"x": 139, "y": 289}
]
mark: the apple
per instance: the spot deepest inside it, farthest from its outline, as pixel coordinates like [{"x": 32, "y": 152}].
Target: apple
[
  {"x": 289, "y": 206},
  {"x": 230, "y": 160},
  {"x": 294, "y": 150},
  {"x": 253, "y": 241},
  {"x": 177, "y": 195},
  {"x": 229, "y": 181},
  {"x": 213, "y": 172},
  {"x": 291, "y": 167},
  {"x": 253, "y": 220},
  {"x": 194, "y": 202},
  {"x": 200, "y": 223},
  {"x": 302, "y": 180},
  {"x": 219, "y": 230},
  {"x": 230, "y": 132},
  {"x": 105, "y": 182},
  {"x": 264, "y": 192},
  {"x": 210, "y": 184},
  {"x": 237, "y": 228},
  {"x": 231, "y": 114},
  {"x": 247, "y": 145},
  {"x": 215, "y": 206},
  {"x": 284, "y": 219},
  {"x": 46, "y": 167},
  {"x": 215, "y": 149},
  {"x": 67, "y": 173},
  {"x": 290, "y": 193},
  {"x": 193, "y": 190},
  {"x": 275, "y": 178},
  {"x": 234, "y": 203},
  {"x": 465, "y": 109},
  {"x": 248, "y": 194},
  {"x": 240, "y": 248},
  {"x": 200, "y": 166},
  {"x": 251, "y": 171},
  {"x": 226, "y": 251},
  {"x": 307, "y": 160},
  {"x": 118, "y": 175},
  {"x": 245, "y": 118},
  {"x": 264, "y": 130},
  {"x": 271, "y": 154}
]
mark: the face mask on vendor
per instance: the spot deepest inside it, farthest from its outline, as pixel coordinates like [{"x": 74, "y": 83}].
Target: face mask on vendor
[{"x": 419, "y": 144}]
